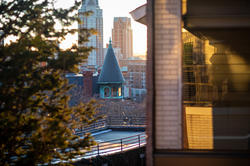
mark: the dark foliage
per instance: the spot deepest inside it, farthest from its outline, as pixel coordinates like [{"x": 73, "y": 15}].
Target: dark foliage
[{"x": 36, "y": 121}]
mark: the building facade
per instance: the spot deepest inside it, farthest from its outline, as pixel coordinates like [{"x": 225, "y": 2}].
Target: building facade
[
  {"x": 198, "y": 96},
  {"x": 122, "y": 36},
  {"x": 134, "y": 70},
  {"x": 95, "y": 21}
]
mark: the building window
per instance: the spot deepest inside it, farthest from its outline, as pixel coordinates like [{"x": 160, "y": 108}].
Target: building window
[
  {"x": 114, "y": 92},
  {"x": 106, "y": 92},
  {"x": 120, "y": 91}
]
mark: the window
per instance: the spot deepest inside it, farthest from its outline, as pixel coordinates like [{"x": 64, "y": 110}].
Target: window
[
  {"x": 114, "y": 92},
  {"x": 106, "y": 92},
  {"x": 215, "y": 93},
  {"x": 119, "y": 91}
]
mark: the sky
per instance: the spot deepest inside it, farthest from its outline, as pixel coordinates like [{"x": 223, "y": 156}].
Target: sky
[{"x": 111, "y": 9}]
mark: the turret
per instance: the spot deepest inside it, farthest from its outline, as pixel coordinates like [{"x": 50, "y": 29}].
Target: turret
[{"x": 111, "y": 78}]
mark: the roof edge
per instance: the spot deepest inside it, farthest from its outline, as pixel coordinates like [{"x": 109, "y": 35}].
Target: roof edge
[{"x": 110, "y": 82}]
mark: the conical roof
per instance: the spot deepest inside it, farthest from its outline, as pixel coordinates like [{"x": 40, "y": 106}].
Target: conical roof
[{"x": 110, "y": 72}]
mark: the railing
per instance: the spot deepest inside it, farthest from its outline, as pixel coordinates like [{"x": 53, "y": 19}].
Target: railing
[
  {"x": 112, "y": 122},
  {"x": 125, "y": 121},
  {"x": 117, "y": 145},
  {"x": 99, "y": 125}
]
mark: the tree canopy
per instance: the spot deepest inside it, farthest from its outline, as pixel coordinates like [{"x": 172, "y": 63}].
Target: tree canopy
[{"x": 36, "y": 122}]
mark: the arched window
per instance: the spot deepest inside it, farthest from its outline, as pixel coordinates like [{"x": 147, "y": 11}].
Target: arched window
[{"x": 106, "y": 92}]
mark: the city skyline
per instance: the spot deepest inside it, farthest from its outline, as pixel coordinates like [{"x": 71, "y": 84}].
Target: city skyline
[{"x": 111, "y": 9}]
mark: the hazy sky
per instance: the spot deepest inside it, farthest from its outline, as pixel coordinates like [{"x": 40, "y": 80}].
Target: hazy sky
[{"x": 111, "y": 9}]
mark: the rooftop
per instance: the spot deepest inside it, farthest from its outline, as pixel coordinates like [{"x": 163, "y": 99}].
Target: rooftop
[{"x": 110, "y": 72}]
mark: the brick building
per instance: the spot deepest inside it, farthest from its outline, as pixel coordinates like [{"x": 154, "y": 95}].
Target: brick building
[
  {"x": 198, "y": 96},
  {"x": 84, "y": 88},
  {"x": 135, "y": 75}
]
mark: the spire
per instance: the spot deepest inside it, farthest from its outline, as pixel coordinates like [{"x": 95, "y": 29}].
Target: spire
[
  {"x": 110, "y": 42},
  {"x": 111, "y": 72}
]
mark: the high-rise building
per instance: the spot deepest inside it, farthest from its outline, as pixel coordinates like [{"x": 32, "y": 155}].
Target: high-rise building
[
  {"x": 95, "y": 21},
  {"x": 122, "y": 36}
]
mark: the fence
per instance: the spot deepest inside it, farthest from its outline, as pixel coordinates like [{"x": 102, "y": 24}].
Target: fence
[
  {"x": 125, "y": 121},
  {"x": 112, "y": 122},
  {"x": 99, "y": 125},
  {"x": 117, "y": 145}
]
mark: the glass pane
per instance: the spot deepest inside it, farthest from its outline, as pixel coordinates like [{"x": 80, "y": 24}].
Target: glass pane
[{"x": 216, "y": 86}]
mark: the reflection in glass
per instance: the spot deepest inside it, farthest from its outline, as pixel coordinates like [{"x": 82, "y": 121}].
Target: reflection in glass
[{"x": 216, "y": 86}]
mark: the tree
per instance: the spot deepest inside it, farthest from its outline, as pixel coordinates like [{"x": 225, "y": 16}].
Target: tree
[{"x": 36, "y": 122}]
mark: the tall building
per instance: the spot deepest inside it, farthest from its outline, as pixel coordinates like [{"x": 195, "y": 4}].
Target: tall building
[
  {"x": 198, "y": 95},
  {"x": 122, "y": 36},
  {"x": 95, "y": 21}
]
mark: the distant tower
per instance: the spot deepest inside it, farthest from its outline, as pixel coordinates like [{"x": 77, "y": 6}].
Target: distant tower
[
  {"x": 95, "y": 21},
  {"x": 122, "y": 36},
  {"x": 111, "y": 78}
]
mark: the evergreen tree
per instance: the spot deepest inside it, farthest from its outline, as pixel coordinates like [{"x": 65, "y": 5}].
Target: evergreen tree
[{"x": 36, "y": 122}]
